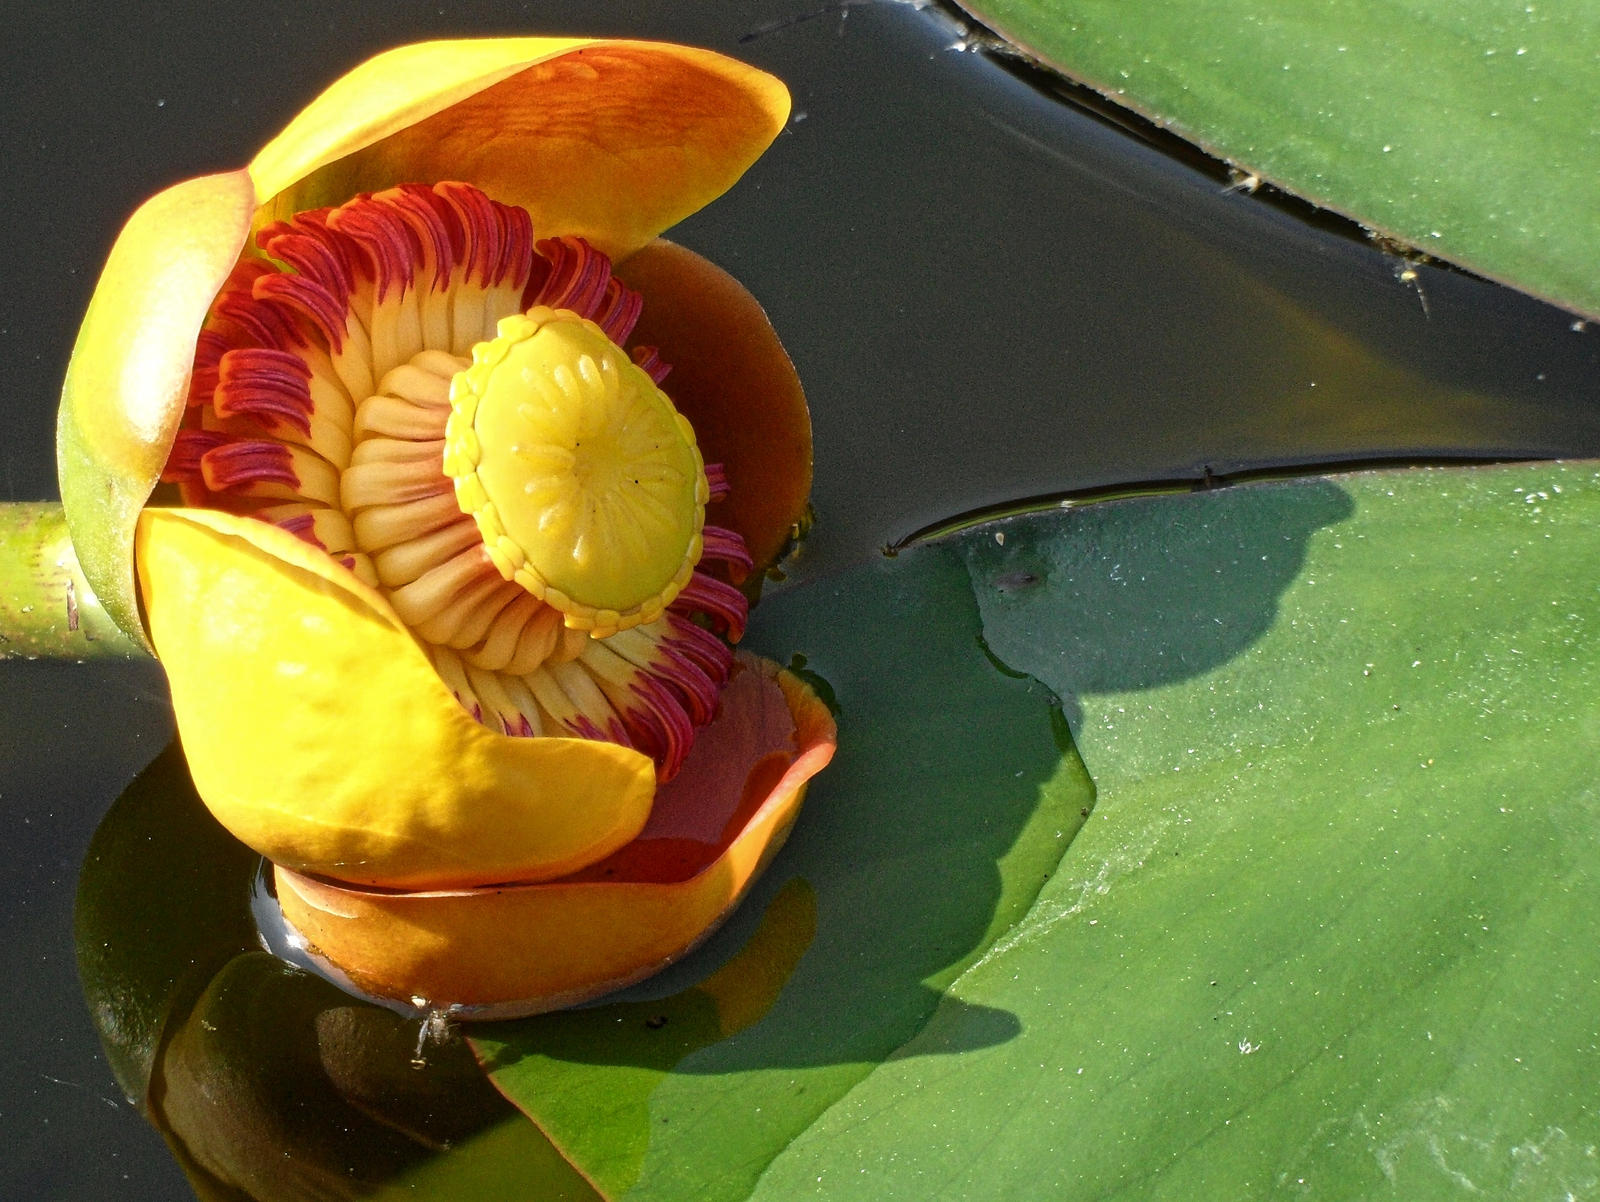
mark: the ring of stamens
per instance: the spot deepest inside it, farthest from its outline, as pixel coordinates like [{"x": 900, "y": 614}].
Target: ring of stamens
[{"x": 321, "y": 401}]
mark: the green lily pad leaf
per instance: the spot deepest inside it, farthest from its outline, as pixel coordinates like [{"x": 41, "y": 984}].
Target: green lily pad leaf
[
  {"x": 953, "y": 794},
  {"x": 1465, "y": 130},
  {"x": 1328, "y": 932}
]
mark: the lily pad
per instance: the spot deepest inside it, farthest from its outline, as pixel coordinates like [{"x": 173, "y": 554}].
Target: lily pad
[
  {"x": 1321, "y": 936},
  {"x": 1465, "y": 130},
  {"x": 1327, "y": 932},
  {"x": 953, "y": 794}
]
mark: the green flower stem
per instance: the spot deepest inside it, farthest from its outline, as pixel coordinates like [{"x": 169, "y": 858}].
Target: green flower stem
[{"x": 47, "y": 609}]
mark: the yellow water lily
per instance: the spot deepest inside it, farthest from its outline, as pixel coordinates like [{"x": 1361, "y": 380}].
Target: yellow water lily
[{"x": 471, "y": 463}]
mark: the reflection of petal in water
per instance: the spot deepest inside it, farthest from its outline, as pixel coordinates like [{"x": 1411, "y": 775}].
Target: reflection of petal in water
[
  {"x": 159, "y": 910},
  {"x": 279, "y": 1086},
  {"x": 745, "y": 987},
  {"x": 271, "y": 1082},
  {"x": 659, "y": 1033}
]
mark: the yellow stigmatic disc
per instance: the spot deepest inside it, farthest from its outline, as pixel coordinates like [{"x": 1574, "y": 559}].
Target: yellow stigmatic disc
[{"x": 585, "y": 482}]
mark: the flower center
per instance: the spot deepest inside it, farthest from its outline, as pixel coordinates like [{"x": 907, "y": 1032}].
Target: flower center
[
  {"x": 584, "y": 480},
  {"x": 414, "y": 384}
]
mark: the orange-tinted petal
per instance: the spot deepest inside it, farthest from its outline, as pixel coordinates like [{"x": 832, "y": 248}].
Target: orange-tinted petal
[
  {"x": 317, "y": 731},
  {"x": 388, "y": 93},
  {"x": 731, "y": 378},
  {"x": 129, "y": 375},
  {"x": 539, "y": 947},
  {"x": 612, "y": 141}
]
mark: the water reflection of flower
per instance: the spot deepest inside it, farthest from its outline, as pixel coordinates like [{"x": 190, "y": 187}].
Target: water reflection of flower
[{"x": 393, "y": 675}]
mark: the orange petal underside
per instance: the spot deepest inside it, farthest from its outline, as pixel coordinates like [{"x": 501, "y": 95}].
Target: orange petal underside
[{"x": 525, "y": 949}]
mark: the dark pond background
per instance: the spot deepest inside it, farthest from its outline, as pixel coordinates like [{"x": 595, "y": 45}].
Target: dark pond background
[{"x": 990, "y": 294}]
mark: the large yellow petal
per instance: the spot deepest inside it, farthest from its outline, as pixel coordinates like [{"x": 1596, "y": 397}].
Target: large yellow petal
[
  {"x": 129, "y": 375},
  {"x": 613, "y": 141},
  {"x": 319, "y": 734},
  {"x": 539, "y": 947}
]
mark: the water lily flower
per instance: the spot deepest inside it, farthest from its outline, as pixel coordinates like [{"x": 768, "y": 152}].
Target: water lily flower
[{"x": 471, "y": 465}]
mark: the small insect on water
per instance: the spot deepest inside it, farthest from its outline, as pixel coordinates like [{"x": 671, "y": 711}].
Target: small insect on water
[{"x": 437, "y": 1028}]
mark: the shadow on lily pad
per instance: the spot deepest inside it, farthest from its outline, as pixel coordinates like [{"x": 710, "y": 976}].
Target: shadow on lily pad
[
  {"x": 1197, "y": 575},
  {"x": 956, "y": 790}
]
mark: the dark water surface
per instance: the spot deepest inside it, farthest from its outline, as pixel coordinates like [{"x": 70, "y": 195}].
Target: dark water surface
[{"x": 988, "y": 294}]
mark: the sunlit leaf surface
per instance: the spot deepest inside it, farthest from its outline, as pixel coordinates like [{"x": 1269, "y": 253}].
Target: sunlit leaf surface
[
  {"x": 1325, "y": 932},
  {"x": 1321, "y": 935},
  {"x": 1466, "y": 130}
]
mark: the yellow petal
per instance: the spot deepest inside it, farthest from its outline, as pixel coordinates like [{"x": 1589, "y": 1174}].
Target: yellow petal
[
  {"x": 731, "y": 378},
  {"x": 612, "y": 141},
  {"x": 540, "y": 947},
  {"x": 319, "y": 734},
  {"x": 129, "y": 375}
]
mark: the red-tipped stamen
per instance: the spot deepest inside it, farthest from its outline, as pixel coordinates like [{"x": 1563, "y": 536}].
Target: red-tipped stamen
[
  {"x": 618, "y": 312},
  {"x": 727, "y": 547},
  {"x": 721, "y": 602},
  {"x": 272, "y": 385},
  {"x": 578, "y": 276},
  {"x": 649, "y": 361}
]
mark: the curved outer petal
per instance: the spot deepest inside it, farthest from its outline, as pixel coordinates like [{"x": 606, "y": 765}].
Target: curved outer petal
[
  {"x": 732, "y": 379},
  {"x": 522, "y": 950},
  {"x": 610, "y": 140},
  {"x": 129, "y": 375},
  {"x": 319, "y": 734}
]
